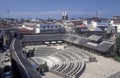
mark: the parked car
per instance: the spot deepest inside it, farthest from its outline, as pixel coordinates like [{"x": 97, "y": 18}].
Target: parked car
[
  {"x": 6, "y": 59},
  {"x": 8, "y": 72},
  {"x": 7, "y": 54}
]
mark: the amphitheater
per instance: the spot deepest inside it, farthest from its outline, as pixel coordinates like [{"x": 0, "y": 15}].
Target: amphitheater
[{"x": 65, "y": 60}]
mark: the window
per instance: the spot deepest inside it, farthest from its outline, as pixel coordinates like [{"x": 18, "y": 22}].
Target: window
[
  {"x": 43, "y": 26},
  {"x": 51, "y": 26},
  {"x": 56, "y": 26}
]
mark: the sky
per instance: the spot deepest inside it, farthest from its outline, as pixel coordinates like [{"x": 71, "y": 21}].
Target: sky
[{"x": 53, "y": 8}]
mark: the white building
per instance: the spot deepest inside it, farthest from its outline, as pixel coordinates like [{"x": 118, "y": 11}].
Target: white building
[
  {"x": 115, "y": 21},
  {"x": 69, "y": 26},
  {"x": 29, "y": 25},
  {"x": 96, "y": 23},
  {"x": 75, "y": 26},
  {"x": 44, "y": 27},
  {"x": 50, "y": 27}
]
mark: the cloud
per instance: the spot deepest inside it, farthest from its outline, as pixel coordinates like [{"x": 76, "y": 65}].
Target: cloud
[
  {"x": 80, "y": 12},
  {"x": 52, "y": 14},
  {"x": 86, "y": 12},
  {"x": 42, "y": 14}
]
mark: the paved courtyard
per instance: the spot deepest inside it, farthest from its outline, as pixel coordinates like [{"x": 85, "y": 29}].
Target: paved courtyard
[
  {"x": 101, "y": 69},
  {"x": 50, "y": 75}
]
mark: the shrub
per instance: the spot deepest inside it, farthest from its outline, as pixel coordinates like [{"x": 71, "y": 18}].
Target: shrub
[{"x": 117, "y": 58}]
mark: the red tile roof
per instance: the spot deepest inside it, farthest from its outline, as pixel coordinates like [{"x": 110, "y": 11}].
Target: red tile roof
[
  {"x": 82, "y": 26},
  {"x": 77, "y": 22},
  {"x": 116, "y": 17},
  {"x": 116, "y": 21},
  {"x": 26, "y": 31}
]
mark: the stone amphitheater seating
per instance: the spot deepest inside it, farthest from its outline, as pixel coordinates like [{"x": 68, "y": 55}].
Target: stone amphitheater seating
[
  {"x": 71, "y": 60},
  {"x": 44, "y": 51}
]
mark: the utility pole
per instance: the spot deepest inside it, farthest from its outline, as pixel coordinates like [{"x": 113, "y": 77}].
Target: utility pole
[{"x": 8, "y": 13}]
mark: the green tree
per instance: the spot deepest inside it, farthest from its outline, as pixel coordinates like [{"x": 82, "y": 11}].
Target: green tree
[
  {"x": 117, "y": 46},
  {"x": 50, "y": 20}
]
